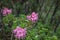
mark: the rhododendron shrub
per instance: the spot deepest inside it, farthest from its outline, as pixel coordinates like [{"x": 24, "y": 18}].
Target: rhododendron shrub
[
  {"x": 28, "y": 20},
  {"x": 23, "y": 22}
]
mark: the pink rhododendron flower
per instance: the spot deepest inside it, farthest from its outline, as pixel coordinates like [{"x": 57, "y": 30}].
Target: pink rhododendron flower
[
  {"x": 29, "y": 17},
  {"x": 33, "y": 17},
  {"x": 6, "y": 11},
  {"x": 19, "y": 32}
]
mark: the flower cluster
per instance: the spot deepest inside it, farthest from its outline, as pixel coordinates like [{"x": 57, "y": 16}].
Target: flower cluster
[
  {"x": 19, "y": 32},
  {"x": 6, "y": 11},
  {"x": 33, "y": 17}
]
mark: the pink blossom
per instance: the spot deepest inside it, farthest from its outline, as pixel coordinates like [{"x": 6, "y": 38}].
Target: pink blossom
[
  {"x": 29, "y": 17},
  {"x": 6, "y": 11},
  {"x": 33, "y": 14},
  {"x": 19, "y": 32},
  {"x": 33, "y": 17}
]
